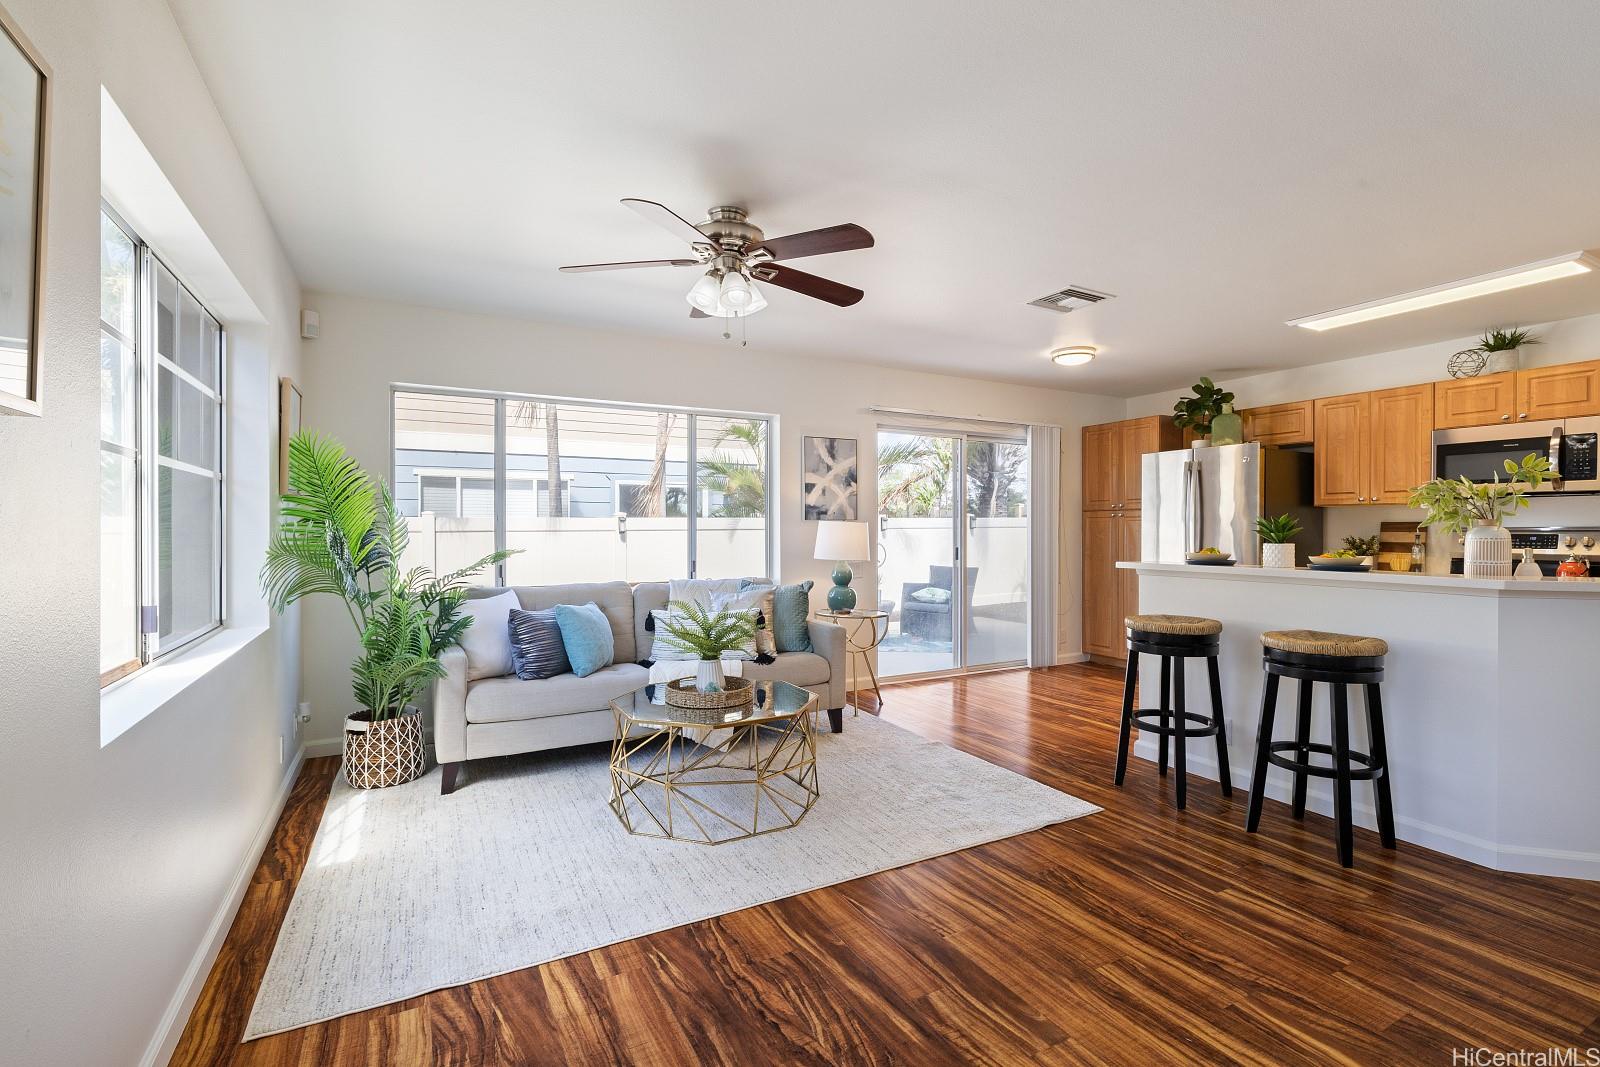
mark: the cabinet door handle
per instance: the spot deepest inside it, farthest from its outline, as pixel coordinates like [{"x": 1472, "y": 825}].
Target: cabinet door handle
[
  {"x": 1361, "y": 499},
  {"x": 1505, "y": 418},
  {"x": 1523, "y": 415}
]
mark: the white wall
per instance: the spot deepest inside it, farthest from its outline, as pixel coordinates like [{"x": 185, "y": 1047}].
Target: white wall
[
  {"x": 1566, "y": 341},
  {"x": 117, "y": 859},
  {"x": 368, "y": 344}
]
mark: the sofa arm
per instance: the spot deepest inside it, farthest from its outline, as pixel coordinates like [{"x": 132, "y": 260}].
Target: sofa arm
[
  {"x": 828, "y": 641},
  {"x": 450, "y": 707}
]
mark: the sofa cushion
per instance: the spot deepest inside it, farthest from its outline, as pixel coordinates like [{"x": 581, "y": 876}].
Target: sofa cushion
[
  {"x": 586, "y": 636},
  {"x": 512, "y": 699},
  {"x": 537, "y": 650},
  {"x": 615, "y": 599},
  {"x": 797, "y": 668},
  {"x": 487, "y": 640}
]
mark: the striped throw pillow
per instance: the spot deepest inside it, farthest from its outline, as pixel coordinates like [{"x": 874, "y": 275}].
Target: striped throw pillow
[{"x": 536, "y": 648}]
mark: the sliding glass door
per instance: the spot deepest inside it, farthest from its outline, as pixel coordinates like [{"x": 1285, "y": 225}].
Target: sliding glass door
[{"x": 953, "y": 545}]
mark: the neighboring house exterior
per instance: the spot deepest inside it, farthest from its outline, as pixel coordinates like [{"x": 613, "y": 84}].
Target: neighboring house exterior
[{"x": 461, "y": 485}]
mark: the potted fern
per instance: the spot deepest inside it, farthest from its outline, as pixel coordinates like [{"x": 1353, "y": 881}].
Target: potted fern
[
  {"x": 1277, "y": 535},
  {"x": 1477, "y": 509},
  {"x": 708, "y": 633},
  {"x": 340, "y": 534}
]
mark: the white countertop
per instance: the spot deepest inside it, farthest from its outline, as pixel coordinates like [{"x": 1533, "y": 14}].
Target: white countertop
[{"x": 1436, "y": 583}]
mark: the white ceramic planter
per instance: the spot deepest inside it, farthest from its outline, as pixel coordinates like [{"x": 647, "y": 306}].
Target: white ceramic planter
[
  {"x": 708, "y": 676},
  {"x": 1488, "y": 553},
  {"x": 1277, "y": 557}
]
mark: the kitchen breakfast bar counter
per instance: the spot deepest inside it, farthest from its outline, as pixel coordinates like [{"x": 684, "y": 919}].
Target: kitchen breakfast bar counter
[{"x": 1491, "y": 698}]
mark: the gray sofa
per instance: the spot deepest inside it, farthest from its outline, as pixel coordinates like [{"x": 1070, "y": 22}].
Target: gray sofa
[{"x": 504, "y": 716}]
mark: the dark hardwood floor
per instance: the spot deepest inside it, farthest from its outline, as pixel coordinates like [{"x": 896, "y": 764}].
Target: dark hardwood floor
[{"x": 1138, "y": 935}]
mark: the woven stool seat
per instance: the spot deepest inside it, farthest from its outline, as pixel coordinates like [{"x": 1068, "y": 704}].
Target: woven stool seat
[
  {"x": 1181, "y": 625},
  {"x": 1322, "y": 643}
]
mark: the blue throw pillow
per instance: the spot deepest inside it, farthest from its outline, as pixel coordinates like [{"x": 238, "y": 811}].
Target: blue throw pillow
[
  {"x": 791, "y": 608},
  {"x": 586, "y": 636},
  {"x": 536, "y": 647}
]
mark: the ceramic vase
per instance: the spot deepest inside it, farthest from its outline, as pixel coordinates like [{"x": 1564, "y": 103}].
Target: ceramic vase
[
  {"x": 1488, "y": 552},
  {"x": 708, "y": 676},
  {"x": 1278, "y": 557}
]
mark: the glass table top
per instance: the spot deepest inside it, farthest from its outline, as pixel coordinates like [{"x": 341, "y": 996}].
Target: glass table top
[{"x": 770, "y": 702}]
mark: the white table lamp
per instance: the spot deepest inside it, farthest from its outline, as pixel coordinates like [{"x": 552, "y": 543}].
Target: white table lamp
[{"x": 843, "y": 542}]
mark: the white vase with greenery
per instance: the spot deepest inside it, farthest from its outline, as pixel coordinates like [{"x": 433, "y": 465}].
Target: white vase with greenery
[
  {"x": 708, "y": 633},
  {"x": 1476, "y": 510},
  {"x": 339, "y": 533},
  {"x": 1277, "y": 541}
]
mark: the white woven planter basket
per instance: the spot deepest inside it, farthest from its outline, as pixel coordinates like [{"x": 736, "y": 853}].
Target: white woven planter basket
[{"x": 378, "y": 754}]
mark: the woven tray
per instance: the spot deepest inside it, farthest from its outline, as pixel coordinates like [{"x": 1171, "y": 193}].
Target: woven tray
[{"x": 736, "y": 692}]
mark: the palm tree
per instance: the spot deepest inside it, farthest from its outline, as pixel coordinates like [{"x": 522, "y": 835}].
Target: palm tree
[
  {"x": 913, "y": 477},
  {"x": 740, "y": 479},
  {"x": 552, "y": 460},
  {"x": 653, "y": 499}
]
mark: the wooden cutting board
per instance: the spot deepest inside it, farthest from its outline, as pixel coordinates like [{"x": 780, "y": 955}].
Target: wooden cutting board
[{"x": 1394, "y": 545}]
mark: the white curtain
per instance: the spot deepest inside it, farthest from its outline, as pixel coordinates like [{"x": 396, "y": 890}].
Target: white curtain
[{"x": 1044, "y": 532}]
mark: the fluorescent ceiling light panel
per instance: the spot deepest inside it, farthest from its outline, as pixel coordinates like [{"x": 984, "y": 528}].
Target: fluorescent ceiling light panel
[{"x": 1545, "y": 270}]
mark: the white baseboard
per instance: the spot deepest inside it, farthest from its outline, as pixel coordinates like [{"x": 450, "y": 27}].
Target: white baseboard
[
  {"x": 1319, "y": 798},
  {"x": 176, "y": 1017}
]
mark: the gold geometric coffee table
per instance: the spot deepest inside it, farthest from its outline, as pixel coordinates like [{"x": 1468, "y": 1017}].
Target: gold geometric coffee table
[{"x": 715, "y": 775}]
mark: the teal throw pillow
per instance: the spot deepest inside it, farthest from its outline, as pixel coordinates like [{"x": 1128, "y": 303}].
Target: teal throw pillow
[
  {"x": 791, "y": 608},
  {"x": 586, "y": 636}
]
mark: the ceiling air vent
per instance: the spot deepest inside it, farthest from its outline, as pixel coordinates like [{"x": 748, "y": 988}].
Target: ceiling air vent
[{"x": 1071, "y": 298}]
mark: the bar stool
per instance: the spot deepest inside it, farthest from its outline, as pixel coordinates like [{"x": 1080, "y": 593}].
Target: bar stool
[
  {"x": 1340, "y": 660},
  {"x": 1175, "y": 638}
]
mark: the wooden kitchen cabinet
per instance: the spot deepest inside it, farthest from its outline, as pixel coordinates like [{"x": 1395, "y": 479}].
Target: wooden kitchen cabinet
[
  {"x": 1561, "y": 392},
  {"x": 1128, "y": 548},
  {"x": 1139, "y": 438},
  {"x": 1102, "y": 467},
  {"x": 1280, "y": 424},
  {"x": 1102, "y": 585},
  {"x": 1474, "y": 401},
  {"x": 1344, "y": 449},
  {"x": 1401, "y": 448}
]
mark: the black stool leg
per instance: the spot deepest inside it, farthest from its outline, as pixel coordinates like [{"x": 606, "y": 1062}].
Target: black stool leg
[
  {"x": 1181, "y": 737},
  {"x": 1166, "y": 703},
  {"x": 1130, "y": 680},
  {"x": 1258, "y": 783},
  {"x": 1380, "y": 758},
  {"x": 1302, "y": 737},
  {"x": 1223, "y": 772},
  {"x": 1341, "y": 768}
]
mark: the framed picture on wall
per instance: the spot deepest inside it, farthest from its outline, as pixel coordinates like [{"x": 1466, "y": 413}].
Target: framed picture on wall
[
  {"x": 290, "y": 401},
  {"x": 829, "y": 464},
  {"x": 24, "y": 125}
]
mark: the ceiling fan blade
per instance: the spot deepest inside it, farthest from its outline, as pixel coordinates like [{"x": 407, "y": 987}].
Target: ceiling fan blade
[
  {"x": 581, "y": 267},
  {"x": 808, "y": 284},
  {"x": 819, "y": 242},
  {"x": 696, "y": 313},
  {"x": 668, "y": 220}
]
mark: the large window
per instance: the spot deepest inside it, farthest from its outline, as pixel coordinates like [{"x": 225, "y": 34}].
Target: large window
[
  {"x": 160, "y": 458},
  {"x": 644, "y": 494}
]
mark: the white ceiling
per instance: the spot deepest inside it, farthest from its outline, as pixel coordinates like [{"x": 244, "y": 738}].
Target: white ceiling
[{"x": 1219, "y": 173}]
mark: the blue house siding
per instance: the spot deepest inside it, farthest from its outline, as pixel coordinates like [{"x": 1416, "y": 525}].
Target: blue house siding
[{"x": 593, "y": 479}]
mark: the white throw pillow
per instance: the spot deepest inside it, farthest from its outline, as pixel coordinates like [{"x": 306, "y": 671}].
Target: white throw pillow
[{"x": 487, "y": 641}]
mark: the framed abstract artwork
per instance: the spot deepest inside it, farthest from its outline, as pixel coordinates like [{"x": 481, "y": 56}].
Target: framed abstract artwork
[
  {"x": 290, "y": 401},
  {"x": 829, "y": 464},
  {"x": 24, "y": 126}
]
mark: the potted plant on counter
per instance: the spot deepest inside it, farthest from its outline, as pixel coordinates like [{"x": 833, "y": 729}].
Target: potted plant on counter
[
  {"x": 1277, "y": 541},
  {"x": 339, "y": 533},
  {"x": 1198, "y": 411},
  {"x": 1477, "y": 509}
]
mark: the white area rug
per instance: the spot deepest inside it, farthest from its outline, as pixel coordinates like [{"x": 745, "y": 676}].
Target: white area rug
[{"x": 406, "y": 891}]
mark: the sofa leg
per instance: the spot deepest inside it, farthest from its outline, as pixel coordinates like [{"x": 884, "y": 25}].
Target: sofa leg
[
  {"x": 447, "y": 784},
  {"x": 836, "y": 720}
]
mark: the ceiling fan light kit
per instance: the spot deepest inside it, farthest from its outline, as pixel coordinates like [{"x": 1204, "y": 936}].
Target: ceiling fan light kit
[
  {"x": 737, "y": 254},
  {"x": 1545, "y": 270},
  {"x": 1073, "y": 355}
]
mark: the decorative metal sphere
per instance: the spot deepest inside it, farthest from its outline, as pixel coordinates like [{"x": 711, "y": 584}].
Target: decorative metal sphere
[{"x": 1468, "y": 363}]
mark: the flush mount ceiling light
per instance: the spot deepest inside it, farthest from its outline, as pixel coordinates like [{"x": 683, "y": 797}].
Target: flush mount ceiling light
[
  {"x": 1073, "y": 355},
  {"x": 1545, "y": 270}
]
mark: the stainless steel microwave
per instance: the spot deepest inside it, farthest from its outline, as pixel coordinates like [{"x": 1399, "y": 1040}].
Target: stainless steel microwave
[{"x": 1480, "y": 452}]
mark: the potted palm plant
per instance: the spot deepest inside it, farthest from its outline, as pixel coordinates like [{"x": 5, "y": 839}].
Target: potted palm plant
[
  {"x": 708, "y": 633},
  {"x": 1477, "y": 509},
  {"x": 1277, "y": 535},
  {"x": 340, "y": 534}
]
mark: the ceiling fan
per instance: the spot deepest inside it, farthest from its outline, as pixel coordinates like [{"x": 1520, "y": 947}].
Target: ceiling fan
[{"x": 736, "y": 254}]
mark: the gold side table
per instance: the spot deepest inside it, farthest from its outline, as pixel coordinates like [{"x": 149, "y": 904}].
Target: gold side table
[{"x": 857, "y": 651}]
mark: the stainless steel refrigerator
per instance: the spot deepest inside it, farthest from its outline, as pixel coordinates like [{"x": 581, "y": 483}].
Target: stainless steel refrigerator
[{"x": 1198, "y": 498}]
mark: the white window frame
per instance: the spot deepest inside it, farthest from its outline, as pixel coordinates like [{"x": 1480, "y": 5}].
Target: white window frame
[
  {"x": 148, "y": 461},
  {"x": 619, "y": 484},
  {"x": 500, "y": 398}
]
